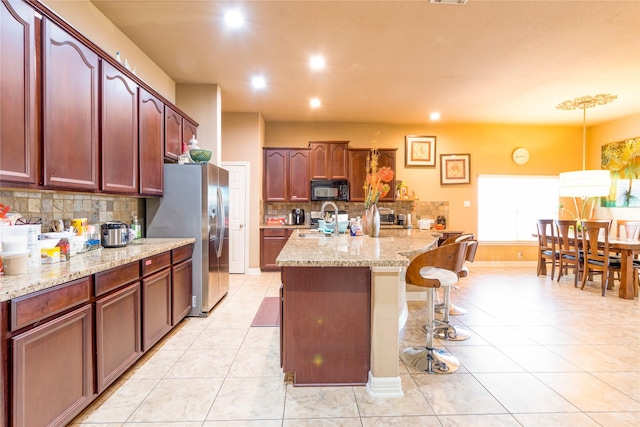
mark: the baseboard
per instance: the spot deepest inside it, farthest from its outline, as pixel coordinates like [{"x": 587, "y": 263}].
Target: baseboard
[
  {"x": 384, "y": 386},
  {"x": 253, "y": 271}
]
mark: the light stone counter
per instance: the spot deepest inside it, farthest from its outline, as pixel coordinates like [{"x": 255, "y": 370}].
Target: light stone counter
[
  {"x": 387, "y": 256},
  {"x": 82, "y": 265},
  {"x": 393, "y": 248}
]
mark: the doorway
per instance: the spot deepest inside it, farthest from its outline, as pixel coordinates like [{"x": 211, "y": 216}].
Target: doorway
[{"x": 238, "y": 214}]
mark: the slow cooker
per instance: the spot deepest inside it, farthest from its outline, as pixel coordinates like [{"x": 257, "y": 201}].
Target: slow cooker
[{"x": 114, "y": 234}]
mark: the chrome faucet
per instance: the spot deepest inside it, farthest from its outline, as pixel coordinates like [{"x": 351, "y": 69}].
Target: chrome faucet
[{"x": 335, "y": 208}]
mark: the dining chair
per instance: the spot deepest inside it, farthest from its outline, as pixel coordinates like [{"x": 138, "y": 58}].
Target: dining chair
[
  {"x": 595, "y": 246},
  {"x": 431, "y": 270},
  {"x": 547, "y": 250},
  {"x": 568, "y": 248}
]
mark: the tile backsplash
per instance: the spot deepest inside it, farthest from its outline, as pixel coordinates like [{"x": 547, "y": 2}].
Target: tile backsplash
[{"x": 54, "y": 205}]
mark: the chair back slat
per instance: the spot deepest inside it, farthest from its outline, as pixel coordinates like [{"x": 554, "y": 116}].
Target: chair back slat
[
  {"x": 567, "y": 236},
  {"x": 546, "y": 235}
]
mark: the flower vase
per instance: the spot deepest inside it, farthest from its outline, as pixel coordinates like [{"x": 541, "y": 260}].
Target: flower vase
[{"x": 372, "y": 221}]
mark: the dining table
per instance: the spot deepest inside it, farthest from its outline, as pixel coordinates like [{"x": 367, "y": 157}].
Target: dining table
[{"x": 627, "y": 248}]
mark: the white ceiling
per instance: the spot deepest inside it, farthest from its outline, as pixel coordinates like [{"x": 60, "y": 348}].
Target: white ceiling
[{"x": 488, "y": 61}]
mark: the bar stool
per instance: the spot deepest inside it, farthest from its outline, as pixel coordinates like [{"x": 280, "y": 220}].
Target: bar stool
[{"x": 431, "y": 270}]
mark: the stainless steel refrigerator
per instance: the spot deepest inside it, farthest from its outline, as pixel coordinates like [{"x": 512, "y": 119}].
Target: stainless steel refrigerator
[{"x": 196, "y": 204}]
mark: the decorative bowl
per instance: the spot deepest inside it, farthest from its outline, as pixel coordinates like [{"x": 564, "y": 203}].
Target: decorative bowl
[{"x": 200, "y": 155}]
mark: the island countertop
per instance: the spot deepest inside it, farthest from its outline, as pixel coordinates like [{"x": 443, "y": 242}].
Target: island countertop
[
  {"x": 393, "y": 247},
  {"x": 82, "y": 265}
]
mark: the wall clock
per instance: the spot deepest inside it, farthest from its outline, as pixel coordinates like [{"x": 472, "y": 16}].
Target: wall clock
[{"x": 520, "y": 156}]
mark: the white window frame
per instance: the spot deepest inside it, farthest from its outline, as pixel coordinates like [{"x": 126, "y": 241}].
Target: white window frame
[{"x": 509, "y": 205}]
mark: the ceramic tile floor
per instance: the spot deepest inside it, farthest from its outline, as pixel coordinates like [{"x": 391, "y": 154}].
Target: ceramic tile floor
[{"x": 542, "y": 353}]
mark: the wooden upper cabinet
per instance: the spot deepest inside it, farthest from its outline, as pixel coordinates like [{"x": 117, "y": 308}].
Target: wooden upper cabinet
[
  {"x": 172, "y": 134},
  {"x": 286, "y": 175},
  {"x": 357, "y": 172},
  {"x": 70, "y": 106},
  {"x": 329, "y": 159},
  {"x": 298, "y": 176},
  {"x": 119, "y": 132},
  {"x": 18, "y": 141},
  {"x": 274, "y": 180},
  {"x": 151, "y": 140},
  {"x": 189, "y": 130}
]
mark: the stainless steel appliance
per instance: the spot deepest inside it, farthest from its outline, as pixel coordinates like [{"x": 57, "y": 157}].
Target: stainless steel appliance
[
  {"x": 297, "y": 216},
  {"x": 335, "y": 190},
  {"x": 196, "y": 204},
  {"x": 387, "y": 216},
  {"x": 114, "y": 234}
]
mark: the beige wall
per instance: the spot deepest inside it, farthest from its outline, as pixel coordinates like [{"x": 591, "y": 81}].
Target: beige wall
[
  {"x": 202, "y": 103},
  {"x": 87, "y": 19},
  {"x": 242, "y": 141}
]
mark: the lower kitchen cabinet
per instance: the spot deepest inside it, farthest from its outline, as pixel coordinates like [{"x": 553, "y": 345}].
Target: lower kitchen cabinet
[
  {"x": 118, "y": 334},
  {"x": 156, "y": 307},
  {"x": 53, "y": 370},
  {"x": 272, "y": 240},
  {"x": 181, "y": 278}
]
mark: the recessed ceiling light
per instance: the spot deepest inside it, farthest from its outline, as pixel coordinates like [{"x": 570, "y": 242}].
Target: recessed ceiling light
[
  {"x": 435, "y": 115},
  {"x": 258, "y": 82},
  {"x": 316, "y": 62},
  {"x": 234, "y": 18},
  {"x": 315, "y": 102}
]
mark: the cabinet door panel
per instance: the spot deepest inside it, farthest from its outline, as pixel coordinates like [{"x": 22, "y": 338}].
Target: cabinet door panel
[
  {"x": 118, "y": 334},
  {"x": 275, "y": 175},
  {"x": 70, "y": 97},
  {"x": 119, "y": 132},
  {"x": 388, "y": 158},
  {"x": 17, "y": 94},
  {"x": 181, "y": 277},
  {"x": 53, "y": 370},
  {"x": 189, "y": 130},
  {"x": 172, "y": 134},
  {"x": 151, "y": 140},
  {"x": 319, "y": 161},
  {"x": 357, "y": 174},
  {"x": 339, "y": 157},
  {"x": 298, "y": 176},
  {"x": 156, "y": 307}
]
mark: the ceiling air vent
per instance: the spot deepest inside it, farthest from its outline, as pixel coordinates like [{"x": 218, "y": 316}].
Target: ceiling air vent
[{"x": 449, "y": 1}]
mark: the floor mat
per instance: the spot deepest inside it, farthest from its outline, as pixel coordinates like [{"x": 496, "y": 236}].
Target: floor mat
[{"x": 268, "y": 313}]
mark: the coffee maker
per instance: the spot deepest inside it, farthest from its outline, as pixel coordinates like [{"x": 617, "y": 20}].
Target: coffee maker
[{"x": 298, "y": 216}]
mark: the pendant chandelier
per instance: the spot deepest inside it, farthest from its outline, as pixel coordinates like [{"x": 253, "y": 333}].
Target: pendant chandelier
[{"x": 585, "y": 183}]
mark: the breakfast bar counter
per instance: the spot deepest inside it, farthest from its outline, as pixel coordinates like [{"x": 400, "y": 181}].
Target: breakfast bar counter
[{"x": 340, "y": 306}]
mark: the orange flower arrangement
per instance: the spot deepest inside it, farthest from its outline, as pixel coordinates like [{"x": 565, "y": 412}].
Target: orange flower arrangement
[{"x": 377, "y": 182}]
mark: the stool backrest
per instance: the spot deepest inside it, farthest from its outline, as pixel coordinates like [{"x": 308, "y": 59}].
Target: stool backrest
[{"x": 449, "y": 257}]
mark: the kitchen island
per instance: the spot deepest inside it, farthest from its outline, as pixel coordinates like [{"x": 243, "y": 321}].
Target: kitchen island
[{"x": 341, "y": 299}]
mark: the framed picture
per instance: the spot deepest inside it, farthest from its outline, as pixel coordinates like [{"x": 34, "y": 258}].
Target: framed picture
[
  {"x": 420, "y": 150},
  {"x": 454, "y": 169}
]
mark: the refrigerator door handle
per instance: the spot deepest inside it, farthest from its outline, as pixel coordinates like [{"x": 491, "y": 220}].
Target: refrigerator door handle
[{"x": 220, "y": 219}]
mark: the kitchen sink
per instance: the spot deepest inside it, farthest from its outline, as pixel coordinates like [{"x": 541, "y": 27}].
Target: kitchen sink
[{"x": 315, "y": 235}]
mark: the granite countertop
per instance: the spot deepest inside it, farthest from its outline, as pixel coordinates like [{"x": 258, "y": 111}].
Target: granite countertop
[
  {"x": 82, "y": 265},
  {"x": 392, "y": 248}
]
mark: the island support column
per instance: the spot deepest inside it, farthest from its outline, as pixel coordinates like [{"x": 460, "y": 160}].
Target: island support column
[{"x": 384, "y": 376}]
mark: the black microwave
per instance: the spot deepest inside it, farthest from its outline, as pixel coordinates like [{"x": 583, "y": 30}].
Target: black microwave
[{"x": 337, "y": 190}]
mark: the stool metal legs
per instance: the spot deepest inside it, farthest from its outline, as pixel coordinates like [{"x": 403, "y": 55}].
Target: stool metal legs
[
  {"x": 443, "y": 329},
  {"x": 429, "y": 359}
]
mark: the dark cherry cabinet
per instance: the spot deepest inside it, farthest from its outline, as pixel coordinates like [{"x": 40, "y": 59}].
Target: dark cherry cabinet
[
  {"x": 329, "y": 159},
  {"x": 119, "y": 132},
  {"x": 341, "y": 297},
  {"x": 358, "y": 159},
  {"x": 53, "y": 370},
  {"x": 70, "y": 111},
  {"x": 172, "y": 134},
  {"x": 272, "y": 240},
  {"x": 18, "y": 138},
  {"x": 286, "y": 175},
  {"x": 156, "y": 298},
  {"x": 151, "y": 140},
  {"x": 181, "y": 279},
  {"x": 189, "y": 130}
]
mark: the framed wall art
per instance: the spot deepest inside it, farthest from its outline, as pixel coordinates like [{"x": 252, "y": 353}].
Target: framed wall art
[
  {"x": 454, "y": 169},
  {"x": 420, "y": 150},
  {"x": 622, "y": 159}
]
